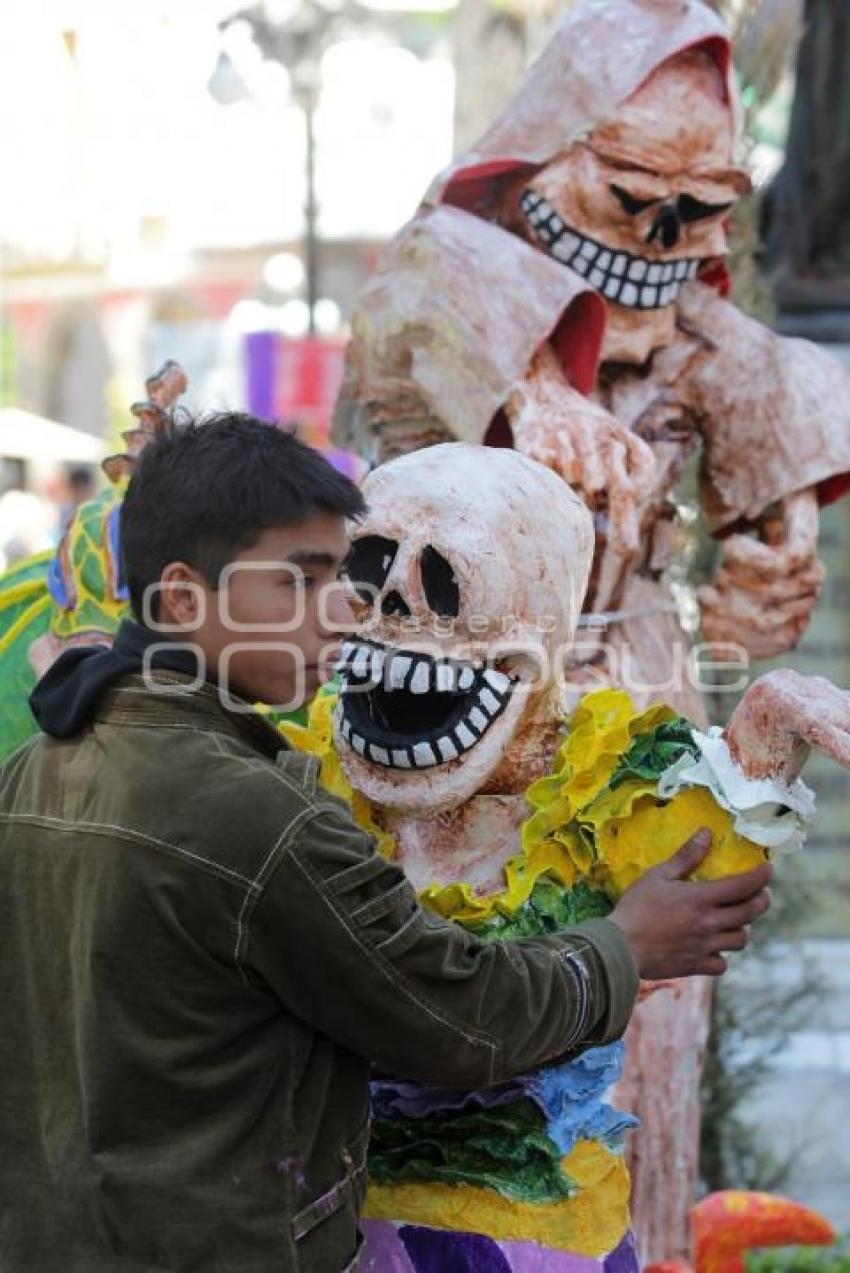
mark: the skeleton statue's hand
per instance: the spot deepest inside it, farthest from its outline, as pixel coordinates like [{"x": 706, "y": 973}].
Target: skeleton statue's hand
[
  {"x": 764, "y": 592},
  {"x": 781, "y": 717},
  {"x": 553, "y": 424}
]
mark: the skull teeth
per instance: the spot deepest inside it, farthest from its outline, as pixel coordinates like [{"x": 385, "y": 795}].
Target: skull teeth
[
  {"x": 363, "y": 663},
  {"x": 632, "y": 281},
  {"x": 487, "y": 693}
]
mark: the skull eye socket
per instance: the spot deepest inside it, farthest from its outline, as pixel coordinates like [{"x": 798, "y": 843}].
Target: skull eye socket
[
  {"x": 691, "y": 209},
  {"x": 439, "y": 584},
  {"x": 369, "y": 563},
  {"x": 628, "y": 202}
]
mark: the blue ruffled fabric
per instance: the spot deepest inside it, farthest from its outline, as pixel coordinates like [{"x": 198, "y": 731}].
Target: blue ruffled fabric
[{"x": 570, "y": 1095}]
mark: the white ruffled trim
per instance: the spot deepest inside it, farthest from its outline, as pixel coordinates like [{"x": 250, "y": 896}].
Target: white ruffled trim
[{"x": 766, "y": 811}]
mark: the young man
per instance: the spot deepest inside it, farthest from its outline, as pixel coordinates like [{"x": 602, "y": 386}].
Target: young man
[{"x": 201, "y": 953}]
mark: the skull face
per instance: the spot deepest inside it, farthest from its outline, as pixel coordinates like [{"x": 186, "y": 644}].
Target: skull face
[
  {"x": 640, "y": 206},
  {"x": 471, "y": 567}
]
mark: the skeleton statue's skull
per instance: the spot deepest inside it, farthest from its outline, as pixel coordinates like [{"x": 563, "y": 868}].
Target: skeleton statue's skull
[
  {"x": 639, "y": 207},
  {"x": 471, "y": 567}
]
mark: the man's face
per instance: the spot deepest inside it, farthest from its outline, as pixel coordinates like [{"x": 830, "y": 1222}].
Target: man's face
[{"x": 270, "y": 631}]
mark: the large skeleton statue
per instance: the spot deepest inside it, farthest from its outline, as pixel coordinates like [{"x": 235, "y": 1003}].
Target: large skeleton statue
[
  {"x": 449, "y": 728},
  {"x": 562, "y": 291}
]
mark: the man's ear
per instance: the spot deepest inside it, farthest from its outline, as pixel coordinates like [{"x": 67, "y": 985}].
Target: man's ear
[{"x": 181, "y": 596}]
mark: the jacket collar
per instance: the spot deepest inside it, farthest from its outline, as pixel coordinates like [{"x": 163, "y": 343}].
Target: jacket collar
[{"x": 171, "y": 699}]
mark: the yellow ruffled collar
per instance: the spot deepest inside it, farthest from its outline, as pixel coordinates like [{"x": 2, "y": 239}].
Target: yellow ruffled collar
[{"x": 577, "y": 828}]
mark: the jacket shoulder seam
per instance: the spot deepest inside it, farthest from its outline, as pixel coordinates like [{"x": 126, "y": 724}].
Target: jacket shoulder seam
[{"x": 257, "y": 885}]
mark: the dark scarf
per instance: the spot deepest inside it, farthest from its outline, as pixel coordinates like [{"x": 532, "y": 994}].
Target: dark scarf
[{"x": 67, "y": 696}]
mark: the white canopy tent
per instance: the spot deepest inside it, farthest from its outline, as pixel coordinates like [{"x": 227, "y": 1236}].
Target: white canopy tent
[{"x": 24, "y": 436}]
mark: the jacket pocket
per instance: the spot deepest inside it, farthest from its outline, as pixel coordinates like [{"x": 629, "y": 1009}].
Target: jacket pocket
[{"x": 347, "y": 1192}]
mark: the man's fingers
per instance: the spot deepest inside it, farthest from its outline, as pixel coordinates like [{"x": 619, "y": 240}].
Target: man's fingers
[
  {"x": 732, "y": 939},
  {"x": 743, "y": 913},
  {"x": 712, "y": 966},
  {"x": 734, "y": 888},
  {"x": 689, "y": 856}
]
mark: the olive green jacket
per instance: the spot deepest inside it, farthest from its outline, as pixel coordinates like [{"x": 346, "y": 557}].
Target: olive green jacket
[{"x": 200, "y": 955}]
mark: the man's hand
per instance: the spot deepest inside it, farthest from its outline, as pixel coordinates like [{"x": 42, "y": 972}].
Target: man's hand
[{"x": 676, "y": 927}]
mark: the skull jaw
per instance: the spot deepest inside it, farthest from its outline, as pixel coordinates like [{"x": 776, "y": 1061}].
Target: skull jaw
[
  {"x": 633, "y": 336},
  {"x": 442, "y": 787}
]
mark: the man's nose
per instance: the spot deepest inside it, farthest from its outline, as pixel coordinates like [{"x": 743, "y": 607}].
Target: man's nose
[{"x": 337, "y": 614}]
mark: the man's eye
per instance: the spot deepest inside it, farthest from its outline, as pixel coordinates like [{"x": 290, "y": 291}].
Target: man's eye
[{"x": 629, "y": 203}]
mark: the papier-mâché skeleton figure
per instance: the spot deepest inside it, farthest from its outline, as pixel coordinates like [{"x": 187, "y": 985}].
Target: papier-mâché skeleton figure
[
  {"x": 449, "y": 728},
  {"x": 562, "y": 290},
  {"x": 578, "y": 249}
]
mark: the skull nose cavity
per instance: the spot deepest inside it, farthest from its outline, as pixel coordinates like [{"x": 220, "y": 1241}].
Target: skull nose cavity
[
  {"x": 665, "y": 226},
  {"x": 395, "y": 604}
]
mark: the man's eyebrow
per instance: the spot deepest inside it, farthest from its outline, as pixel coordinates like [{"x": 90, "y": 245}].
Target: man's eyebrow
[{"x": 307, "y": 557}]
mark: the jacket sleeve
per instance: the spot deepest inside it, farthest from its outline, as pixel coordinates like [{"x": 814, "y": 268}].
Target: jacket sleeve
[{"x": 341, "y": 938}]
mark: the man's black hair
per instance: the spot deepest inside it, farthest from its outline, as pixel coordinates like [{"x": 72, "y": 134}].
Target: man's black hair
[{"x": 208, "y": 490}]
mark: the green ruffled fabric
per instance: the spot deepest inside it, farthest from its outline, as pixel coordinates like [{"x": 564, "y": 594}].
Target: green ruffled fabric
[
  {"x": 655, "y": 751},
  {"x": 504, "y": 1148},
  {"x": 549, "y": 908}
]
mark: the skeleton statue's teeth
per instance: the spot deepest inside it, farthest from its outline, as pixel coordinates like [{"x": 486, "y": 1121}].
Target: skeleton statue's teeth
[
  {"x": 477, "y": 720},
  {"x": 499, "y": 681},
  {"x": 420, "y": 681},
  {"x": 360, "y": 663},
  {"x": 423, "y": 756},
  {"x": 566, "y": 247},
  {"x": 605, "y": 268},
  {"x": 399, "y": 666},
  {"x": 474, "y": 695},
  {"x": 348, "y": 652},
  {"x": 376, "y": 670},
  {"x": 489, "y": 702},
  {"x": 444, "y": 678}
]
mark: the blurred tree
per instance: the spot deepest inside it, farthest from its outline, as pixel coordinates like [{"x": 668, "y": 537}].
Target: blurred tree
[{"x": 808, "y": 211}]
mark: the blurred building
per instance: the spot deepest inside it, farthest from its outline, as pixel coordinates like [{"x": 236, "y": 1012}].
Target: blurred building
[{"x": 156, "y": 182}]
